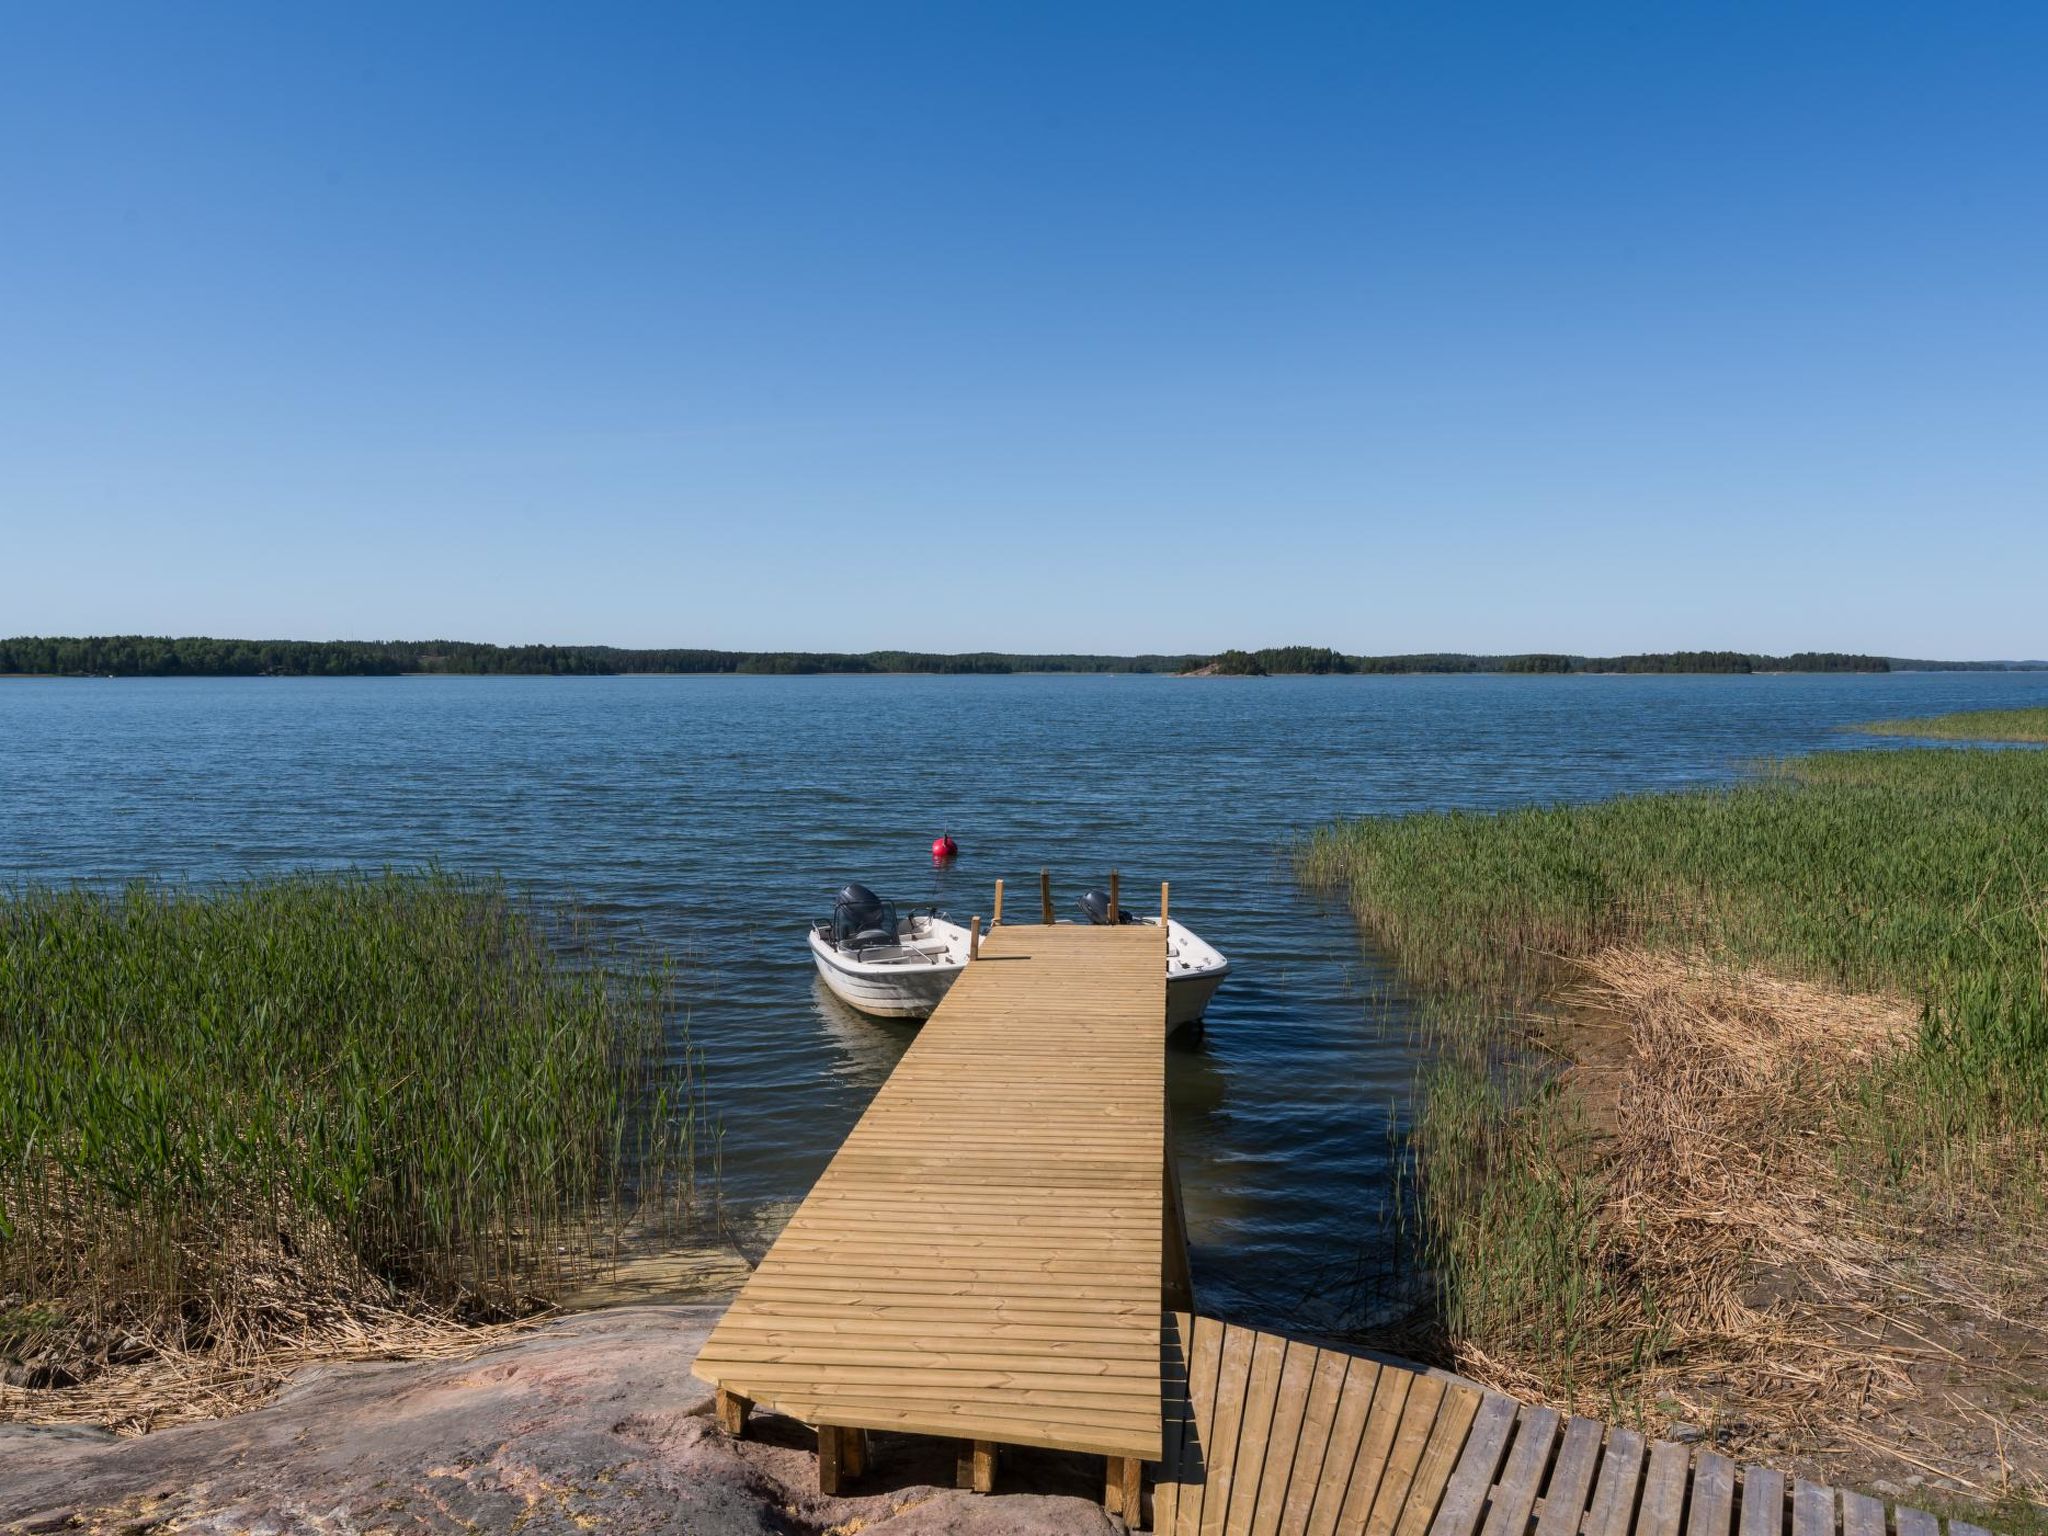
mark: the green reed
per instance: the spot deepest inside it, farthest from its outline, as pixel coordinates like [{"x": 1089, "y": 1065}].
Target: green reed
[
  {"x": 1921, "y": 872},
  {"x": 1969, "y": 725},
  {"x": 220, "y": 1103}
]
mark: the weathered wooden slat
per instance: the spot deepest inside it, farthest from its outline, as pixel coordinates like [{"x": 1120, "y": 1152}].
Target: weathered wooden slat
[
  {"x": 1464, "y": 1501},
  {"x": 1404, "y": 1458},
  {"x": 1347, "y": 1432},
  {"x": 1290, "y": 1404},
  {"x": 1763, "y": 1502},
  {"x": 1813, "y": 1509},
  {"x": 1255, "y": 1429},
  {"x": 1571, "y": 1480},
  {"x": 1916, "y": 1522},
  {"x": 1861, "y": 1514},
  {"x": 1446, "y": 1442},
  {"x": 1713, "y": 1496},
  {"x": 1176, "y": 1415},
  {"x": 1334, "y": 1376},
  {"x": 1231, "y": 1377},
  {"x": 1205, "y": 1363},
  {"x": 1615, "y": 1490},
  {"x": 1535, "y": 1436},
  {"x": 1663, "y": 1506}
]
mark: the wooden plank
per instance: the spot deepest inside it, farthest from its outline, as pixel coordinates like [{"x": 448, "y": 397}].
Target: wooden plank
[
  {"x": 1439, "y": 1457},
  {"x": 1663, "y": 1508},
  {"x": 1231, "y": 1378},
  {"x": 1290, "y": 1405},
  {"x": 1255, "y": 1429},
  {"x": 1356, "y": 1441},
  {"x": 1404, "y": 1457},
  {"x": 1813, "y": 1509},
  {"x": 1861, "y": 1514},
  {"x": 1964, "y": 1528},
  {"x": 1318, "y": 1416},
  {"x": 1535, "y": 1437},
  {"x": 1763, "y": 1503},
  {"x": 1206, "y": 1366},
  {"x": 1614, "y": 1492},
  {"x": 1571, "y": 1481},
  {"x": 1174, "y": 1331},
  {"x": 1464, "y": 1501},
  {"x": 1915, "y": 1522},
  {"x": 1713, "y": 1496}
]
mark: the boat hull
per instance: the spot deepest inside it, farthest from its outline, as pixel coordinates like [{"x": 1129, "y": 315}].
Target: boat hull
[
  {"x": 1187, "y": 997},
  {"x": 901, "y": 993}
]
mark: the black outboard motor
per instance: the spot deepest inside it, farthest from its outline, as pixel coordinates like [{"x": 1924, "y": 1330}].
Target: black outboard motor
[
  {"x": 1096, "y": 905},
  {"x": 860, "y": 917}
]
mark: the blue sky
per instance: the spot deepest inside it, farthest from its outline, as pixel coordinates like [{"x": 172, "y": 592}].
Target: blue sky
[{"x": 1435, "y": 326}]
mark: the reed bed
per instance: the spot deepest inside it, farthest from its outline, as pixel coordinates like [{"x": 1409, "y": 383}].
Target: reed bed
[
  {"x": 2028, "y": 725},
  {"x": 352, "y": 1108},
  {"x": 1727, "y": 1086}
]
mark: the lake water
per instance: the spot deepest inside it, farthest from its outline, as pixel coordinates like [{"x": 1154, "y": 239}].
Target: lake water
[{"x": 717, "y": 815}]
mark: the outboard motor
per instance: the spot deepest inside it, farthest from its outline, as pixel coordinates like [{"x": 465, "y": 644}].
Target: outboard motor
[
  {"x": 861, "y": 918},
  {"x": 1096, "y": 905}
]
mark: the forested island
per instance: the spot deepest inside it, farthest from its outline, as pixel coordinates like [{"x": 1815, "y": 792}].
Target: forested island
[
  {"x": 204, "y": 656},
  {"x": 1297, "y": 660}
]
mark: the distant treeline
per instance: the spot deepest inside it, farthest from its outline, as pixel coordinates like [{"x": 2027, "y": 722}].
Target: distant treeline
[
  {"x": 1284, "y": 660},
  {"x": 201, "y": 656}
]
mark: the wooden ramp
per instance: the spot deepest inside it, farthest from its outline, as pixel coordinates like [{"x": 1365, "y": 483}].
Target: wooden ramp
[
  {"x": 1267, "y": 1436},
  {"x": 982, "y": 1258}
]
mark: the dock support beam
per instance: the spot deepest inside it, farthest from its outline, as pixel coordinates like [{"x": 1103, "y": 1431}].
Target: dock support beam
[
  {"x": 998, "y": 915},
  {"x": 842, "y": 1456},
  {"x": 977, "y": 1466},
  {"x": 732, "y": 1412},
  {"x": 1123, "y": 1491}
]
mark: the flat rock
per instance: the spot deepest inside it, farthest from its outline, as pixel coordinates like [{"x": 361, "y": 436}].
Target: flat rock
[{"x": 591, "y": 1423}]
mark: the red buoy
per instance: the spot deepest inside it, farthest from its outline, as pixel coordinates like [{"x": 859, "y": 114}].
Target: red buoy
[{"x": 944, "y": 848}]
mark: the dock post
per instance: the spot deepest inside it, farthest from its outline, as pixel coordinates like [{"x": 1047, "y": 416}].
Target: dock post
[
  {"x": 732, "y": 1412},
  {"x": 831, "y": 1458},
  {"x": 1165, "y": 890},
  {"x": 1045, "y": 894},
  {"x": 1123, "y": 1491},
  {"x": 1112, "y": 895},
  {"x": 974, "y": 938},
  {"x": 998, "y": 917},
  {"x": 977, "y": 1466}
]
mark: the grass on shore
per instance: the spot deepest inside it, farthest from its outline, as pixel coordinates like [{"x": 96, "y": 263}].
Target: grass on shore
[
  {"x": 1969, "y": 725},
  {"x": 1834, "y": 979},
  {"x": 241, "y": 1118}
]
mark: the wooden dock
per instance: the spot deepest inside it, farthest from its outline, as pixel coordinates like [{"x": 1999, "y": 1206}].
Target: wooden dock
[
  {"x": 982, "y": 1259},
  {"x": 995, "y": 1255}
]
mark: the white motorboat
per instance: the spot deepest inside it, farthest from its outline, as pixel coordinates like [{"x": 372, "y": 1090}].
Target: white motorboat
[
  {"x": 874, "y": 961},
  {"x": 899, "y": 968},
  {"x": 1195, "y": 968}
]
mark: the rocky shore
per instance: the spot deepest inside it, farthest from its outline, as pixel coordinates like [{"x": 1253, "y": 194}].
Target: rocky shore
[{"x": 593, "y": 1423}]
